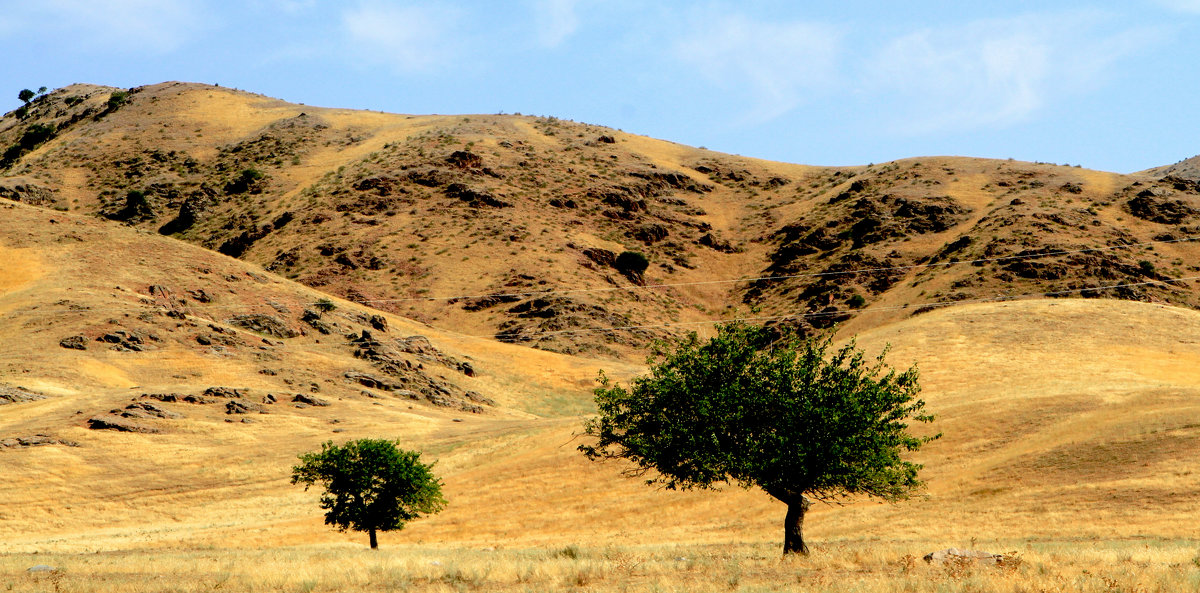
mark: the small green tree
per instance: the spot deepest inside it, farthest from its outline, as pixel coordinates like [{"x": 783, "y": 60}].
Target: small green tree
[
  {"x": 370, "y": 485},
  {"x": 632, "y": 264},
  {"x": 759, "y": 410}
]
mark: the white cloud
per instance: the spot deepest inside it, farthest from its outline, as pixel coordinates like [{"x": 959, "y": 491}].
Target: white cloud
[
  {"x": 777, "y": 63},
  {"x": 556, "y": 20},
  {"x": 995, "y": 73},
  {"x": 120, "y": 25},
  {"x": 408, "y": 37}
]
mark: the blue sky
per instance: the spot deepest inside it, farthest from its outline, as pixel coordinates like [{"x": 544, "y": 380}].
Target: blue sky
[{"x": 1110, "y": 86}]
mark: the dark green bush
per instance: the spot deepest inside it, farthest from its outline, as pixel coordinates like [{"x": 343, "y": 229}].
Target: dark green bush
[
  {"x": 249, "y": 180},
  {"x": 631, "y": 262},
  {"x": 117, "y": 99}
]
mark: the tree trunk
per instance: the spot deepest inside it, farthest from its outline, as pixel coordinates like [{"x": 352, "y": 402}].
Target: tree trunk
[
  {"x": 793, "y": 527},
  {"x": 374, "y": 542}
]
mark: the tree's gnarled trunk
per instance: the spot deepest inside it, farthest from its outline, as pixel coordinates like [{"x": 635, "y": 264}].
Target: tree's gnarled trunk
[
  {"x": 793, "y": 526},
  {"x": 374, "y": 542}
]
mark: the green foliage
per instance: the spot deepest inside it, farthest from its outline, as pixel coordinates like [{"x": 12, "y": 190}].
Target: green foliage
[
  {"x": 1146, "y": 267},
  {"x": 781, "y": 413},
  {"x": 325, "y": 305},
  {"x": 137, "y": 207},
  {"x": 117, "y": 99},
  {"x": 248, "y": 180},
  {"x": 26, "y": 95},
  {"x": 857, "y": 301},
  {"x": 370, "y": 485},
  {"x": 633, "y": 262},
  {"x": 34, "y": 136}
]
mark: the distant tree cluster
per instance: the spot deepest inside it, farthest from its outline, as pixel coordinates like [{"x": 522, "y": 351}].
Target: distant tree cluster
[{"x": 26, "y": 97}]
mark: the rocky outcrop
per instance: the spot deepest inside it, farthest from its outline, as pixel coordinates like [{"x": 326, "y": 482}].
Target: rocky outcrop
[
  {"x": 74, "y": 342},
  {"x": 403, "y": 377},
  {"x": 120, "y": 424},
  {"x": 12, "y": 395},
  {"x": 264, "y": 324},
  {"x": 37, "y": 440}
]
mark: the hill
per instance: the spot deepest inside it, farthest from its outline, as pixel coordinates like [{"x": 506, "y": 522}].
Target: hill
[
  {"x": 1050, "y": 408},
  {"x": 512, "y": 226}
]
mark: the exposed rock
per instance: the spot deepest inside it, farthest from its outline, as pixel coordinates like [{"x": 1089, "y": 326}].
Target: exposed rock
[
  {"x": 409, "y": 378},
  {"x": 193, "y": 209},
  {"x": 313, "y": 319},
  {"x": 74, "y": 342},
  {"x": 119, "y": 424},
  {"x": 309, "y": 400},
  {"x": 241, "y": 406},
  {"x": 650, "y": 234},
  {"x": 378, "y": 322},
  {"x": 12, "y": 395},
  {"x": 431, "y": 177},
  {"x": 602, "y": 257},
  {"x": 146, "y": 410},
  {"x": 888, "y": 217},
  {"x": 475, "y": 198},
  {"x": 37, "y": 440},
  {"x": 225, "y": 392},
  {"x": 28, "y": 193},
  {"x": 127, "y": 341},
  {"x": 200, "y": 296},
  {"x": 1148, "y": 206},
  {"x": 465, "y": 160},
  {"x": 263, "y": 324},
  {"x": 708, "y": 240},
  {"x": 425, "y": 350},
  {"x": 372, "y": 381}
]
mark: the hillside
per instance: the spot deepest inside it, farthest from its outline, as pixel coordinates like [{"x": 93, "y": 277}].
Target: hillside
[
  {"x": 1051, "y": 409},
  {"x": 511, "y": 226}
]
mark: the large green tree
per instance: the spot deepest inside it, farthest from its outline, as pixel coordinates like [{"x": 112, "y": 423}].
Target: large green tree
[
  {"x": 782, "y": 413},
  {"x": 370, "y": 485}
]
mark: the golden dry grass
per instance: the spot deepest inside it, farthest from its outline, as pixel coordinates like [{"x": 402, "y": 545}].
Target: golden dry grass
[{"x": 847, "y": 566}]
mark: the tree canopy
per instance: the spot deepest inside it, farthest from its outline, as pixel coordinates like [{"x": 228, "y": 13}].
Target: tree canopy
[
  {"x": 777, "y": 412},
  {"x": 370, "y": 485}
]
